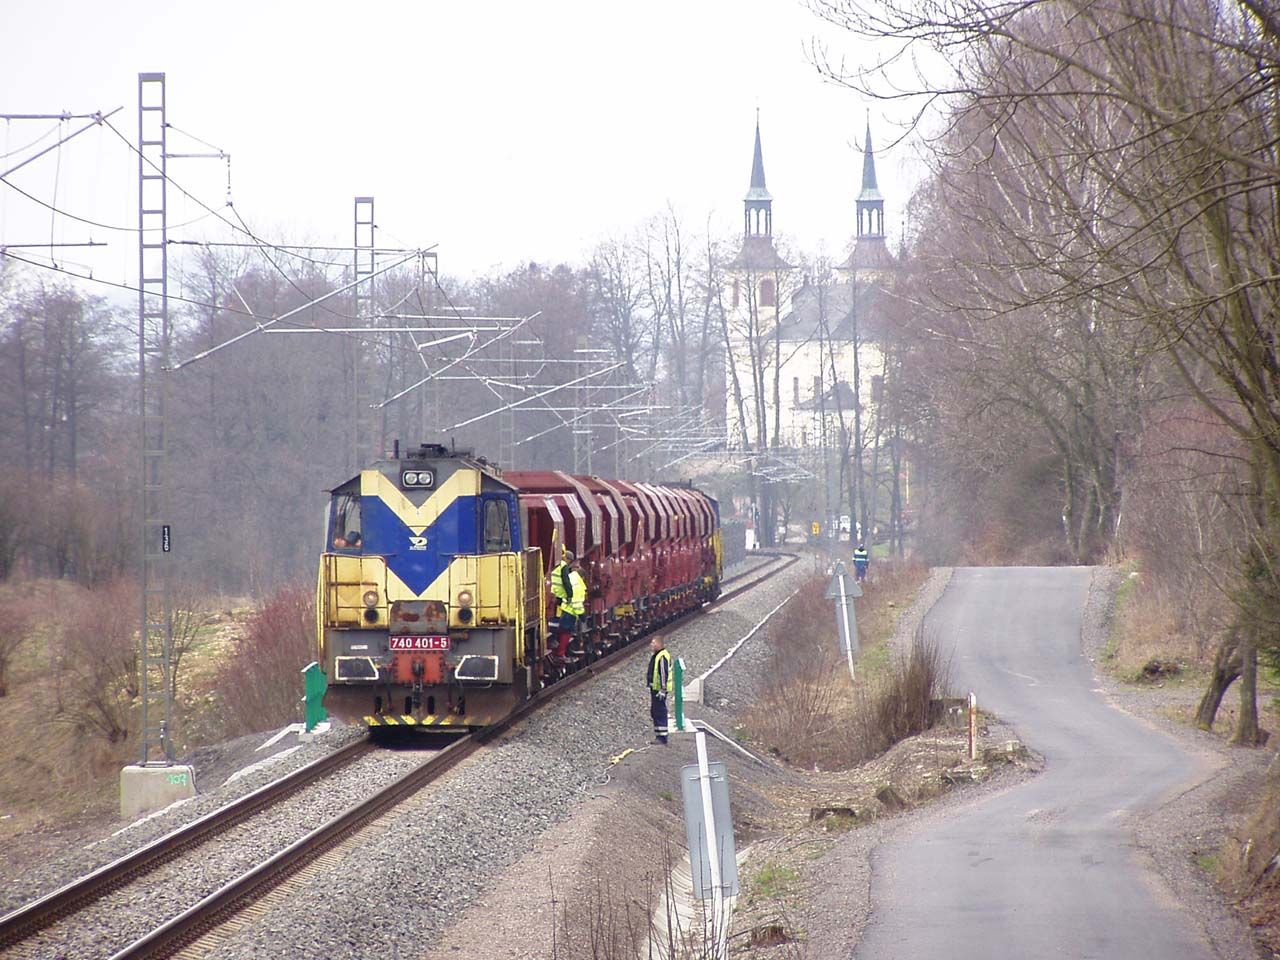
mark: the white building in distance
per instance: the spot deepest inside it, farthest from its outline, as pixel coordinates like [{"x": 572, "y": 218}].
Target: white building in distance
[{"x": 790, "y": 379}]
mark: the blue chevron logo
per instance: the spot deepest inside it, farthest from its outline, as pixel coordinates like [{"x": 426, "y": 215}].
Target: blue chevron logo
[{"x": 419, "y": 557}]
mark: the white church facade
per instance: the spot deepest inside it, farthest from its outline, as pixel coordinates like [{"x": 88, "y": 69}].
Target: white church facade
[{"x": 800, "y": 350}]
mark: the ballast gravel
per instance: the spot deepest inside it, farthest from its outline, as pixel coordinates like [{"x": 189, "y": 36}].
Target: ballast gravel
[
  {"x": 24, "y": 882},
  {"x": 419, "y": 867},
  {"x": 115, "y": 921}
]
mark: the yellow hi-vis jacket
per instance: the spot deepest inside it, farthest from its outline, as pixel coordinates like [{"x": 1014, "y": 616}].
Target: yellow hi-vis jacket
[
  {"x": 660, "y": 677},
  {"x": 576, "y": 602},
  {"x": 558, "y": 581}
]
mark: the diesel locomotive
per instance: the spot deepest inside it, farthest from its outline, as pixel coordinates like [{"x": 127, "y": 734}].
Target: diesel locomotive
[{"x": 434, "y": 605}]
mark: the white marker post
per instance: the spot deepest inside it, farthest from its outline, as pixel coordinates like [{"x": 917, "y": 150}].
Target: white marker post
[
  {"x": 848, "y": 637},
  {"x": 719, "y": 922},
  {"x": 973, "y": 726},
  {"x": 844, "y": 594}
]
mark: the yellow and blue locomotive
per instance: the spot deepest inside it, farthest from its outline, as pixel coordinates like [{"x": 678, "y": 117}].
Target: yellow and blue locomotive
[
  {"x": 432, "y": 603},
  {"x": 430, "y": 608}
]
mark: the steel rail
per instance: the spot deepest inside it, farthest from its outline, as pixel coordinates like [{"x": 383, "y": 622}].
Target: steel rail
[
  {"x": 28, "y": 920},
  {"x": 225, "y": 902},
  {"x": 220, "y": 906}
]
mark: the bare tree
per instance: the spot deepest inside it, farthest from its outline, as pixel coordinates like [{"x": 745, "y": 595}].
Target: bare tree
[
  {"x": 1126, "y": 167},
  {"x": 96, "y": 668}
]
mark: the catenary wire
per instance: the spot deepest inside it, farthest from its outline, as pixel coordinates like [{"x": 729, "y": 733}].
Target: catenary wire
[
  {"x": 244, "y": 228},
  {"x": 248, "y": 315},
  {"x": 27, "y": 146},
  {"x": 95, "y": 223}
]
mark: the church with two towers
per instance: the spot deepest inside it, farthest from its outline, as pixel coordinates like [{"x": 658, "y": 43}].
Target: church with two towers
[{"x": 806, "y": 356}]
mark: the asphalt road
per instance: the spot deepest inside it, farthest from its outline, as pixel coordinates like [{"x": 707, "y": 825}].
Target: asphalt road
[{"x": 1047, "y": 869}]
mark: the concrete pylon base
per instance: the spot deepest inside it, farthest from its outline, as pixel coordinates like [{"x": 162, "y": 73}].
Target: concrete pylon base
[{"x": 151, "y": 787}]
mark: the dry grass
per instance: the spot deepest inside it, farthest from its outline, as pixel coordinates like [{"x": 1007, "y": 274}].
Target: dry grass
[
  {"x": 1146, "y": 629},
  {"x": 1249, "y": 863},
  {"x": 55, "y": 770},
  {"x": 811, "y": 713},
  {"x": 70, "y": 712}
]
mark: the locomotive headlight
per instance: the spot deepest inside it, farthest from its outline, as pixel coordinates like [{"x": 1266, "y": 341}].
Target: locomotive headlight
[
  {"x": 419, "y": 479},
  {"x": 464, "y": 598},
  {"x": 370, "y": 598}
]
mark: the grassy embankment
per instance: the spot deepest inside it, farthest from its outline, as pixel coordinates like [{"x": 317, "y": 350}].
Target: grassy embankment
[
  {"x": 809, "y": 711},
  {"x": 70, "y": 712},
  {"x": 1147, "y": 648}
]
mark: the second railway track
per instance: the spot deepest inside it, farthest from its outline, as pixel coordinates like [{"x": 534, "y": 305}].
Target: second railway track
[{"x": 223, "y": 903}]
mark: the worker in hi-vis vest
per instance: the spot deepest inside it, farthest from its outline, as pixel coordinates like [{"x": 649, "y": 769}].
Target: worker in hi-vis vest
[
  {"x": 861, "y": 560},
  {"x": 660, "y": 679},
  {"x": 569, "y": 588}
]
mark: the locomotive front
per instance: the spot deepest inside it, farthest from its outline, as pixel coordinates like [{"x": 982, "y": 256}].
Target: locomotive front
[{"x": 429, "y": 606}]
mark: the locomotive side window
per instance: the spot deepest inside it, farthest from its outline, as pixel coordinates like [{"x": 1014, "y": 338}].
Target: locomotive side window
[
  {"x": 497, "y": 527},
  {"x": 345, "y": 532}
]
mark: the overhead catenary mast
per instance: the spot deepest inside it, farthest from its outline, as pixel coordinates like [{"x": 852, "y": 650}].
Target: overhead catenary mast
[{"x": 155, "y": 666}]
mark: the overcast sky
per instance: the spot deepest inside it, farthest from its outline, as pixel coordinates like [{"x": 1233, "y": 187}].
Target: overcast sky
[{"x": 501, "y": 131}]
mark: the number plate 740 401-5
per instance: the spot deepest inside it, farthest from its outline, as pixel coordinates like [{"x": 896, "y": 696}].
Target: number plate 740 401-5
[{"x": 419, "y": 643}]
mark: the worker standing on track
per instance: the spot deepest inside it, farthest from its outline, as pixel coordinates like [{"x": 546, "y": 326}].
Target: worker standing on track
[{"x": 660, "y": 679}]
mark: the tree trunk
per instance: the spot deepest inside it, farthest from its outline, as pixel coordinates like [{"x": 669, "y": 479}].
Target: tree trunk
[
  {"x": 858, "y": 491},
  {"x": 1246, "y": 734},
  {"x": 1227, "y": 664},
  {"x": 896, "y": 462}
]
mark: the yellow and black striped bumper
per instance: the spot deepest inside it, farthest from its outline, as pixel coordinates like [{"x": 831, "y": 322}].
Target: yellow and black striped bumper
[{"x": 430, "y": 720}]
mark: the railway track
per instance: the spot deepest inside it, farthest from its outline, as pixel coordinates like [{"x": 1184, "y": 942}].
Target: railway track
[
  {"x": 217, "y": 908},
  {"x": 28, "y": 920}
]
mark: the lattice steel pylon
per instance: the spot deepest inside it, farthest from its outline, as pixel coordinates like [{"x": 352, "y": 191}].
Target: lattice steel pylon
[
  {"x": 581, "y": 430},
  {"x": 507, "y": 418},
  {"x": 366, "y": 438},
  {"x": 156, "y": 635}
]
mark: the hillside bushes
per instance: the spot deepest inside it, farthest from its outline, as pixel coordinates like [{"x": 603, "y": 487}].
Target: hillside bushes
[{"x": 259, "y": 681}]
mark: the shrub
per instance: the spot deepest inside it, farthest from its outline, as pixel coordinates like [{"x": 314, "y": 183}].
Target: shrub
[
  {"x": 795, "y": 711},
  {"x": 22, "y": 613},
  {"x": 810, "y": 712},
  {"x": 260, "y": 684},
  {"x": 95, "y": 661},
  {"x": 895, "y": 705}
]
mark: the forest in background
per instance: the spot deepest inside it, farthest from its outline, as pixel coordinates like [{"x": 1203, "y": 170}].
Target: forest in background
[{"x": 1082, "y": 330}]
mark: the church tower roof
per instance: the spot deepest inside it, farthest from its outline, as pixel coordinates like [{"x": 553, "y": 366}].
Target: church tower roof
[
  {"x": 758, "y": 253},
  {"x": 757, "y": 190},
  {"x": 870, "y": 251},
  {"x": 870, "y": 189}
]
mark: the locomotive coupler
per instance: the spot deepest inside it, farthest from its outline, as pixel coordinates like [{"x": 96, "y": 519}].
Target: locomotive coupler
[{"x": 419, "y": 668}]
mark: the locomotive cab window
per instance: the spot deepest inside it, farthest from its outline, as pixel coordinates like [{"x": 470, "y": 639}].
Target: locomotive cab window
[
  {"x": 497, "y": 527},
  {"x": 345, "y": 532}
]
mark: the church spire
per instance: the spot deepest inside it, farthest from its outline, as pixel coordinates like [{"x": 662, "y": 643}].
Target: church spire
[
  {"x": 870, "y": 252},
  {"x": 757, "y": 252},
  {"x": 757, "y": 190},
  {"x": 870, "y": 204},
  {"x": 758, "y": 205}
]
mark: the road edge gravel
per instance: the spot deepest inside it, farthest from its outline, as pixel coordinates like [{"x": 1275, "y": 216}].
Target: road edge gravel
[{"x": 1194, "y": 820}]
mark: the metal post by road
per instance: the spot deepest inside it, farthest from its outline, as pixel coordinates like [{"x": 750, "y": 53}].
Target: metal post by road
[
  {"x": 678, "y": 699},
  {"x": 848, "y": 635},
  {"x": 973, "y": 726},
  {"x": 719, "y": 922},
  {"x": 846, "y": 617}
]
